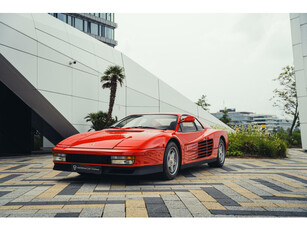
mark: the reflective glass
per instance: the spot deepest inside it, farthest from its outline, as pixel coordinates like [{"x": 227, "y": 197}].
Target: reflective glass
[
  {"x": 102, "y": 31},
  {"x": 62, "y": 17},
  {"x": 94, "y": 28},
  {"x": 109, "y": 33},
  {"x": 85, "y": 26},
  {"x": 102, "y": 15},
  {"x": 79, "y": 24}
]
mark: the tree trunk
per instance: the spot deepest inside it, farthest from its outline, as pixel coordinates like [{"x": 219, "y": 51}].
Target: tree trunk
[
  {"x": 112, "y": 99},
  {"x": 294, "y": 121}
]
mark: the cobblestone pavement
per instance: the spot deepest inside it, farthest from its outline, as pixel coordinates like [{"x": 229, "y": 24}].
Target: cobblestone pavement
[{"x": 243, "y": 187}]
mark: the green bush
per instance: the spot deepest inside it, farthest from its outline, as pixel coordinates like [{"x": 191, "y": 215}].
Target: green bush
[
  {"x": 253, "y": 141},
  {"x": 291, "y": 141}
]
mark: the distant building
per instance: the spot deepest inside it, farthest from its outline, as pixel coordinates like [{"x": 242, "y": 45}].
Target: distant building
[
  {"x": 98, "y": 25},
  {"x": 271, "y": 122}
]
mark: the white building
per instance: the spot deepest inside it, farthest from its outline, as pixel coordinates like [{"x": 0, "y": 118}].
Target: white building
[
  {"x": 299, "y": 46},
  {"x": 37, "y": 55}
]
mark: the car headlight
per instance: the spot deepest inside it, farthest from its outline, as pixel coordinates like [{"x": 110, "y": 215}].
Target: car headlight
[
  {"x": 59, "y": 157},
  {"x": 122, "y": 160}
]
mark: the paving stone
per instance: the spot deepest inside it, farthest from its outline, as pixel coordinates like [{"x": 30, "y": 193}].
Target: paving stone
[
  {"x": 180, "y": 212},
  {"x": 91, "y": 212}
]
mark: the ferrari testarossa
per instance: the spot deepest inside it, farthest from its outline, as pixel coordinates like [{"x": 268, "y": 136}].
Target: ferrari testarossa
[{"x": 143, "y": 144}]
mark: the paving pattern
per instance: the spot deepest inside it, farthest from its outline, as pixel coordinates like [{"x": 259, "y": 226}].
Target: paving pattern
[{"x": 243, "y": 187}]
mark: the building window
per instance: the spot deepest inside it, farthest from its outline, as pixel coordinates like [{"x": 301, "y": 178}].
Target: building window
[
  {"x": 94, "y": 28},
  {"x": 109, "y": 33},
  {"x": 102, "y": 31},
  {"x": 79, "y": 24},
  {"x": 85, "y": 26},
  {"x": 62, "y": 17},
  {"x": 109, "y": 16},
  {"x": 102, "y": 15},
  {"x": 69, "y": 20}
]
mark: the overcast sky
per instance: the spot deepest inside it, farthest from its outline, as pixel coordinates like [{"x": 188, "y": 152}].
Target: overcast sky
[{"x": 231, "y": 58}]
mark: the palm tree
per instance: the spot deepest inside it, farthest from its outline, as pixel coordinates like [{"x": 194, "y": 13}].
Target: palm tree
[{"x": 112, "y": 75}]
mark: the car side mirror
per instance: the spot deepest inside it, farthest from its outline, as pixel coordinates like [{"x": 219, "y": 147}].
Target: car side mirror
[{"x": 187, "y": 119}]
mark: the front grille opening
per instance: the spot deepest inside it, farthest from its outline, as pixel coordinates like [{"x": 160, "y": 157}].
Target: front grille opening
[
  {"x": 205, "y": 148},
  {"x": 93, "y": 159}
]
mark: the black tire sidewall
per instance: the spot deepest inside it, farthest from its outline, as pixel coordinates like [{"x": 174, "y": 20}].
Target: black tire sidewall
[{"x": 166, "y": 172}]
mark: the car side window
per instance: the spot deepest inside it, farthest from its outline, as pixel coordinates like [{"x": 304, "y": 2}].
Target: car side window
[
  {"x": 187, "y": 127},
  {"x": 198, "y": 125}
]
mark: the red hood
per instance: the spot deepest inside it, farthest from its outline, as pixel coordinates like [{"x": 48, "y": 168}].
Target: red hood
[{"x": 111, "y": 138}]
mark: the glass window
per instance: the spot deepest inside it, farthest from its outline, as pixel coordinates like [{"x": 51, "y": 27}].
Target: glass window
[
  {"x": 109, "y": 33},
  {"x": 198, "y": 125},
  {"x": 85, "y": 26},
  {"x": 79, "y": 24},
  {"x": 70, "y": 20},
  {"x": 102, "y": 15},
  {"x": 109, "y": 16},
  {"x": 102, "y": 31},
  {"x": 148, "y": 121},
  {"x": 94, "y": 28},
  {"x": 188, "y": 127},
  {"x": 62, "y": 17}
]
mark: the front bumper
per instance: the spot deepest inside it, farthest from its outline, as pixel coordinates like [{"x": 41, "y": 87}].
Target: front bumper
[
  {"x": 115, "y": 170},
  {"x": 147, "y": 161}
]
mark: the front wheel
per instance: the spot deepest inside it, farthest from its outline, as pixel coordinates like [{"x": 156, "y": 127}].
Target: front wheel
[
  {"x": 220, "y": 155},
  {"x": 171, "y": 161}
]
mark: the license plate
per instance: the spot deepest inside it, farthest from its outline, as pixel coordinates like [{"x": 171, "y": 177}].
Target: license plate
[{"x": 86, "y": 169}]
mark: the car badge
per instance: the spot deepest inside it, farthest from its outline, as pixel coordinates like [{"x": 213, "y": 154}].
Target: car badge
[{"x": 93, "y": 143}]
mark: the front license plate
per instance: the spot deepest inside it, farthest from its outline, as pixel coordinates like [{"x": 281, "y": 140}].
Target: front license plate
[{"x": 86, "y": 169}]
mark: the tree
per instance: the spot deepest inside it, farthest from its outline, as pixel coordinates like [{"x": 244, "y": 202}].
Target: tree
[
  {"x": 99, "y": 120},
  {"x": 285, "y": 97},
  {"x": 112, "y": 75},
  {"x": 225, "y": 118},
  {"x": 202, "y": 102}
]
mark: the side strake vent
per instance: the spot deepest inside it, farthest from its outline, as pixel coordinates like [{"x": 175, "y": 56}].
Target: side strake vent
[{"x": 205, "y": 148}]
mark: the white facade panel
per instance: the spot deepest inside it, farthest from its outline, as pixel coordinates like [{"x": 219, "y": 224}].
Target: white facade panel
[
  {"x": 54, "y": 77},
  {"x": 303, "y": 38},
  {"x": 298, "y": 57},
  {"x": 85, "y": 85},
  {"x": 12, "y": 38},
  {"x": 300, "y": 65},
  {"x": 135, "y": 98},
  {"x": 62, "y": 102},
  {"x": 81, "y": 108},
  {"x": 139, "y": 78},
  {"x": 302, "y": 102},
  {"x": 301, "y": 82},
  {"x": 25, "y": 63},
  {"x": 22, "y": 23},
  {"x": 296, "y": 34}
]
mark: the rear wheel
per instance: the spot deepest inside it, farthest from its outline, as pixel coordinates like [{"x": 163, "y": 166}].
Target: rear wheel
[
  {"x": 171, "y": 161},
  {"x": 220, "y": 155}
]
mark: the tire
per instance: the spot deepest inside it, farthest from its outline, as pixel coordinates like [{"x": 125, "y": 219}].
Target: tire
[
  {"x": 220, "y": 155},
  {"x": 171, "y": 161}
]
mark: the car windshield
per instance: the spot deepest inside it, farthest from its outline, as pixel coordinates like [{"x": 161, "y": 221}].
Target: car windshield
[{"x": 148, "y": 121}]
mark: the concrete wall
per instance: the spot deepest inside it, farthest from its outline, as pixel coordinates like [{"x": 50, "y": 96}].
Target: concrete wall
[
  {"x": 41, "y": 47},
  {"x": 299, "y": 45}
]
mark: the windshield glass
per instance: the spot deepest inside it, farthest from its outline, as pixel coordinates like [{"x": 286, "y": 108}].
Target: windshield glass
[{"x": 148, "y": 121}]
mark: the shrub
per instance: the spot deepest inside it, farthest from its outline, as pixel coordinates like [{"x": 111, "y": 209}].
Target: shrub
[
  {"x": 253, "y": 141},
  {"x": 99, "y": 120}
]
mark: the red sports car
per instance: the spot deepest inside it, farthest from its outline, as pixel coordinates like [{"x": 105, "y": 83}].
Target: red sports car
[{"x": 143, "y": 144}]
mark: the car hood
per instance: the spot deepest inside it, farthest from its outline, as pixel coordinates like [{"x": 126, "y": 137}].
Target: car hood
[{"x": 111, "y": 138}]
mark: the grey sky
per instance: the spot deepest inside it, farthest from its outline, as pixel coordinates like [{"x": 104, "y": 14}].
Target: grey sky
[{"x": 231, "y": 58}]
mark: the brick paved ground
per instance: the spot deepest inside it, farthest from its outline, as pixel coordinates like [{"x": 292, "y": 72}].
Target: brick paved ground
[{"x": 243, "y": 187}]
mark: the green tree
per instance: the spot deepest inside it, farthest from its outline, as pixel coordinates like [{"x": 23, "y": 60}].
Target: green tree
[
  {"x": 112, "y": 76},
  {"x": 225, "y": 118},
  {"x": 285, "y": 97},
  {"x": 99, "y": 120},
  {"x": 202, "y": 102}
]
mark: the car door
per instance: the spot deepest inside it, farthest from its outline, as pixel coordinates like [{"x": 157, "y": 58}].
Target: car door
[{"x": 190, "y": 134}]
